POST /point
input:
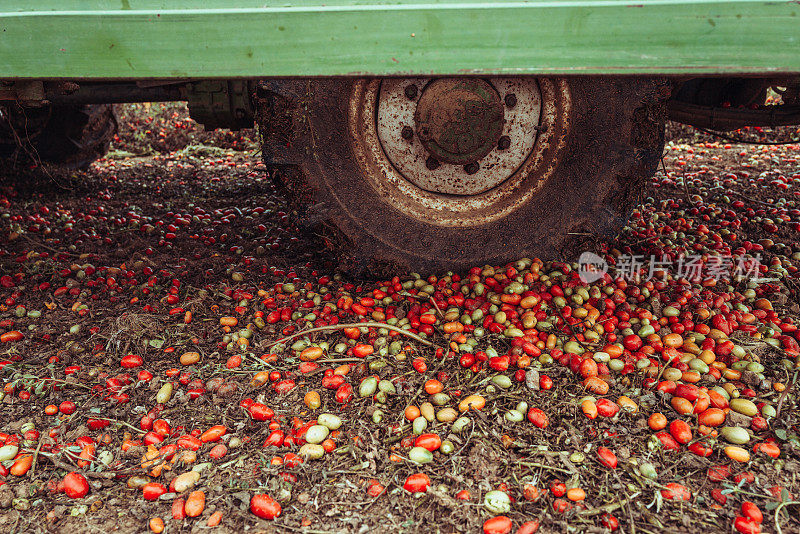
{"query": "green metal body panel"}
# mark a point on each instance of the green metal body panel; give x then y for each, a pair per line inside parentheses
(132, 39)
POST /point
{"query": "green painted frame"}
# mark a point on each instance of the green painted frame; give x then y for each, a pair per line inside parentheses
(135, 39)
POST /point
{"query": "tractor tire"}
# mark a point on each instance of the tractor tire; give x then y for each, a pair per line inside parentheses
(71, 137)
(597, 142)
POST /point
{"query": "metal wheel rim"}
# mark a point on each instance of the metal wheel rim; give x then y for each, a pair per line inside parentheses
(457, 210)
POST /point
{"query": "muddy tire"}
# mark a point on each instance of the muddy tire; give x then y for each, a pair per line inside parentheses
(68, 136)
(598, 141)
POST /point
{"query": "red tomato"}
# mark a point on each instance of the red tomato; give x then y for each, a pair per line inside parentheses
(67, 407)
(375, 489)
(21, 465)
(178, 508)
(675, 491)
(751, 511)
(417, 483)
(746, 526)
(151, 438)
(131, 360)
(558, 488)
(13, 335)
(667, 441)
(189, 442)
(144, 376)
(607, 457)
(689, 392)
(195, 503)
(430, 442)
(275, 438)
(718, 496)
(681, 431)
(343, 393)
(161, 427)
(632, 342)
(497, 525)
(153, 490)
(769, 448)
(284, 386)
(609, 521)
(363, 350)
(607, 408)
(588, 367)
(261, 412)
(97, 424)
(538, 418)
(528, 527)
(561, 506)
(419, 365)
(213, 434)
(265, 506)
(718, 473)
(291, 460)
(218, 451)
(545, 382)
(500, 363)
(75, 485)
(701, 449)
(531, 492)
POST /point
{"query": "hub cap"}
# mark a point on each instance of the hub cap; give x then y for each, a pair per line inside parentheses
(459, 120)
(458, 136)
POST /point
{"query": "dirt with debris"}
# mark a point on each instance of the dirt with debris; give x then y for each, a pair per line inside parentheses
(178, 243)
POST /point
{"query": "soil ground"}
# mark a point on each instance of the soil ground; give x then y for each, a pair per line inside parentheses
(100, 264)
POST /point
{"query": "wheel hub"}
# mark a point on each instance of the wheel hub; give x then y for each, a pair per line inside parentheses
(458, 136)
(459, 120)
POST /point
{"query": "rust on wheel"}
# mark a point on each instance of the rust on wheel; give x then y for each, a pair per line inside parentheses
(453, 194)
(445, 173)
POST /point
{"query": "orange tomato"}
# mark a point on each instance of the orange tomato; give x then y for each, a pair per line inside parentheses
(157, 525)
(433, 386)
(681, 405)
(711, 417)
(195, 503)
(589, 408)
(576, 494)
(21, 465)
(737, 454)
(657, 421)
(310, 354)
(215, 519)
(453, 327)
(596, 385)
(213, 434)
(412, 412)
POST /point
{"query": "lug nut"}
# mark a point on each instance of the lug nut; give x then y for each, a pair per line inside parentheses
(411, 92)
(432, 163)
(471, 168)
(407, 133)
(504, 142)
(511, 100)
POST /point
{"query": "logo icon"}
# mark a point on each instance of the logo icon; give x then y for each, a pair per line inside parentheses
(591, 267)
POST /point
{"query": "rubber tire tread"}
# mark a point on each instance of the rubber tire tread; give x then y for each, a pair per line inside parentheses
(71, 137)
